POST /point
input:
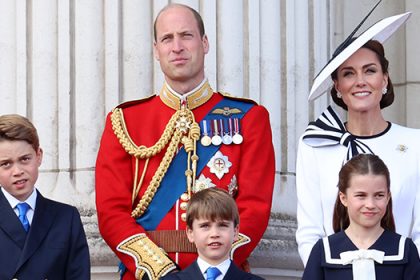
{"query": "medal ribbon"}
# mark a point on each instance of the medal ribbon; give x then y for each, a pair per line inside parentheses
(173, 185)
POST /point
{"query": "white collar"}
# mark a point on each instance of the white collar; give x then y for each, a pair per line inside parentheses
(329, 259)
(223, 267)
(13, 201)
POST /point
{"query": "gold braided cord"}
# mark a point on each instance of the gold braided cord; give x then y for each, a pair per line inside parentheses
(120, 130)
(181, 128)
(188, 146)
(136, 173)
(191, 148)
(136, 189)
(157, 178)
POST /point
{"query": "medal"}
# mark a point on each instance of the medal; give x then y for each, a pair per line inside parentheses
(219, 164)
(202, 183)
(216, 139)
(205, 140)
(227, 139)
(233, 186)
(237, 138)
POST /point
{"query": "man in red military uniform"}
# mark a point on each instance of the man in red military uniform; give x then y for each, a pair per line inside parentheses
(155, 153)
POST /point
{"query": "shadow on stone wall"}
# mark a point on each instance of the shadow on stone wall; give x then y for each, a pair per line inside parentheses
(277, 251)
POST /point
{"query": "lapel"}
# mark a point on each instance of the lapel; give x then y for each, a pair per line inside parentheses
(233, 272)
(191, 272)
(43, 219)
(10, 224)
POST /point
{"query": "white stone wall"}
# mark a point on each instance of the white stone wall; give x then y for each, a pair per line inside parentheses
(66, 63)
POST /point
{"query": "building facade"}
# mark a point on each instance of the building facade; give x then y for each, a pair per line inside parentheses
(65, 64)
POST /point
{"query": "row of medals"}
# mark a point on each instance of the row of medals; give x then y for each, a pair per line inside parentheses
(212, 131)
(221, 131)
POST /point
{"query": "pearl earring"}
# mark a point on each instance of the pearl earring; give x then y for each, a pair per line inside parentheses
(384, 91)
(339, 94)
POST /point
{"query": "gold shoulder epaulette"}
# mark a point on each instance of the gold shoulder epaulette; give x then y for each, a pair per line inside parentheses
(228, 95)
(129, 103)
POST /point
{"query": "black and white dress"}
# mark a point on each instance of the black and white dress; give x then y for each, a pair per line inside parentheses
(398, 259)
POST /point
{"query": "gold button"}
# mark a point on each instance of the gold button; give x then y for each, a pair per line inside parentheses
(185, 197)
(184, 217)
(183, 205)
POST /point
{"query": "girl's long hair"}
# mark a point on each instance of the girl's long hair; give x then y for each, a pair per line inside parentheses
(362, 164)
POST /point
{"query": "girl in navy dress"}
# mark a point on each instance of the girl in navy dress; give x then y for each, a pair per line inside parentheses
(365, 245)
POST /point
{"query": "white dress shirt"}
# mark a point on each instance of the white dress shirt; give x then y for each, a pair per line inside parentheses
(223, 267)
(14, 202)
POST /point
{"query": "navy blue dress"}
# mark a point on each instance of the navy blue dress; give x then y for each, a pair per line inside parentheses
(401, 259)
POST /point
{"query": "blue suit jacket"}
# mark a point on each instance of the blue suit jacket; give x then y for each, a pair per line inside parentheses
(54, 248)
(193, 272)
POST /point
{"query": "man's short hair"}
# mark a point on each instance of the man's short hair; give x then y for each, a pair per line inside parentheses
(197, 17)
(213, 204)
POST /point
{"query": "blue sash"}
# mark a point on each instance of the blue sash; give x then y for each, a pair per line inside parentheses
(174, 183)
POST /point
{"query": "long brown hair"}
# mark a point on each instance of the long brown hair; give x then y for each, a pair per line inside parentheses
(362, 164)
(388, 98)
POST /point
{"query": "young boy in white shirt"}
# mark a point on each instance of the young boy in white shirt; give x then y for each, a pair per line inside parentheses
(39, 238)
(213, 225)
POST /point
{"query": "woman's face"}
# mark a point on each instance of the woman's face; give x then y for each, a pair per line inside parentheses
(360, 80)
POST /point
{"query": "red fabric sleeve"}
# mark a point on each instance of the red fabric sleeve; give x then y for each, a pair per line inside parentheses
(255, 179)
(114, 177)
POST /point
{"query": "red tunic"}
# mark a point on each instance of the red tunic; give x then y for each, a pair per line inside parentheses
(252, 164)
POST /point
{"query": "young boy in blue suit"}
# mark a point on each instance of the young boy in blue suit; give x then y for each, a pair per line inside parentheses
(213, 225)
(39, 238)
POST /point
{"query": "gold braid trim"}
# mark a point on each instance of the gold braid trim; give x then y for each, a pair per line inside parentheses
(120, 130)
(180, 128)
(157, 178)
(148, 257)
(242, 240)
(190, 146)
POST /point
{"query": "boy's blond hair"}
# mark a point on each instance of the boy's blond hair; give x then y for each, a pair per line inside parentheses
(213, 204)
(15, 127)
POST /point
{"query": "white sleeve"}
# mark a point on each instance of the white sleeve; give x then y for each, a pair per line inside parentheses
(415, 233)
(309, 206)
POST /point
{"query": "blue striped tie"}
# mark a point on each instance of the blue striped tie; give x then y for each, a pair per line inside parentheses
(212, 273)
(23, 208)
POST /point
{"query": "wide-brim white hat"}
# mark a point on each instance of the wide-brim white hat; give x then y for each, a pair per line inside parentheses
(380, 31)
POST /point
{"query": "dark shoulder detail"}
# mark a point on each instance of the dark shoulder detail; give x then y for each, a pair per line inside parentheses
(244, 99)
(134, 102)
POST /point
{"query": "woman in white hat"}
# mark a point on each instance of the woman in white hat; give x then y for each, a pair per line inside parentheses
(360, 83)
